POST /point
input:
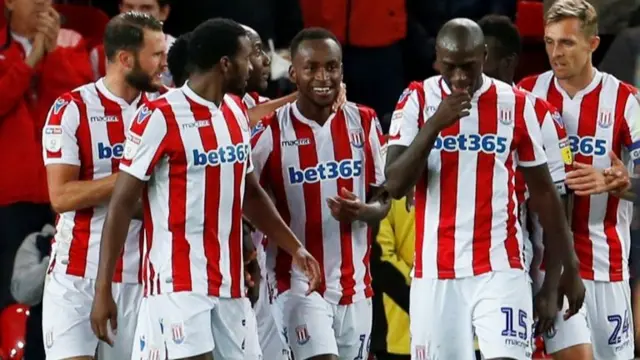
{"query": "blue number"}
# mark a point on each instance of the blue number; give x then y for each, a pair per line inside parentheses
(345, 169)
(502, 145)
(332, 167)
(488, 144)
(617, 320)
(625, 325)
(509, 329)
(573, 143)
(601, 147)
(357, 168)
(475, 142)
(361, 353)
(586, 146)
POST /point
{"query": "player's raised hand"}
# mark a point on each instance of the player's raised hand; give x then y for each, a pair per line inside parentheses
(103, 311)
(572, 287)
(452, 108)
(586, 180)
(310, 267)
(342, 98)
(545, 309)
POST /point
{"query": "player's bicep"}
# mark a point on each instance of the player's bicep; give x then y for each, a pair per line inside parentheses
(57, 176)
(406, 118)
(529, 149)
(145, 143)
(59, 142)
(538, 179)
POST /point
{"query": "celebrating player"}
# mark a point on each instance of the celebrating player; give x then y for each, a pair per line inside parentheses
(190, 153)
(322, 168)
(83, 143)
(568, 339)
(601, 115)
(469, 272)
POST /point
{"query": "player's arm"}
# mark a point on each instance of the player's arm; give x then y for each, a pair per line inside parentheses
(377, 207)
(264, 109)
(62, 160)
(632, 118)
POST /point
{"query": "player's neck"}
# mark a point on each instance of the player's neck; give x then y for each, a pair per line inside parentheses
(21, 29)
(207, 88)
(118, 86)
(576, 83)
(313, 112)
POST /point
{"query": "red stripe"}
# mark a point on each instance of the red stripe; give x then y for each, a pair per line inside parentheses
(211, 228)
(79, 248)
(370, 178)
(512, 246)
(448, 205)
(483, 214)
(55, 119)
(342, 151)
(420, 197)
(613, 202)
(115, 133)
(312, 196)
(235, 236)
(273, 171)
(582, 204)
(554, 97)
(180, 264)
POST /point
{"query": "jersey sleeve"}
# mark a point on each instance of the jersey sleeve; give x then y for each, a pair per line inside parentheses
(529, 150)
(405, 121)
(556, 146)
(59, 142)
(377, 142)
(261, 146)
(631, 137)
(145, 143)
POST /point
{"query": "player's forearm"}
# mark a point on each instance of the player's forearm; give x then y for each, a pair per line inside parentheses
(374, 211)
(82, 194)
(261, 110)
(404, 171)
(261, 212)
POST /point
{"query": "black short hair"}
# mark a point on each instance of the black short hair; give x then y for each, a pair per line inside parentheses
(161, 3)
(126, 32)
(313, 33)
(177, 59)
(212, 40)
(502, 29)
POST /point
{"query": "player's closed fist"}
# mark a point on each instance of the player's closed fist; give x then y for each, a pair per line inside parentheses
(104, 314)
(452, 108)
(346, 207)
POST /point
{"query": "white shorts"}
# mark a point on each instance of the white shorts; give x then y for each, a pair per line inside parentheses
(192, 324)
(270, 329)
(608, 306)
(496, 306)
(66, 327)
(251, 344)
(315, 327)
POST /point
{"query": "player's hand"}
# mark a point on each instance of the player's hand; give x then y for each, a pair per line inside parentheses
(452, 108)
(104, 311)
(49, 26)
(310, 267)
(586, 180)
(572, 287)
(252, 279)
(37, 50)
(545, 309)
(342, 98)
(411, 199)
(617, 176)
(346, 207)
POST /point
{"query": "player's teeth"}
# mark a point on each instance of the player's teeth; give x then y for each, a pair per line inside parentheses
(321, 90)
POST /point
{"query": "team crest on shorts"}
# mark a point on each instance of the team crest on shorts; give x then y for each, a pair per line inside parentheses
(48, 339)
(421, 352)
(154, 354)
(356, 137)
(177, 333)
(302, 334)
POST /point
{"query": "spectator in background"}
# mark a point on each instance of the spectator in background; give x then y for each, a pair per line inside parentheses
(159, 9)
(391, 275)
(36, 66)
(27, 284)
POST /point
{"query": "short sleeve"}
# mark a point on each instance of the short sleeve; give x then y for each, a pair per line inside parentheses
(261, 145)
(59, 142)
(631, 137)
(145, 143)
(405, 121)
(529, 150)
(376, 141)
(556, 145)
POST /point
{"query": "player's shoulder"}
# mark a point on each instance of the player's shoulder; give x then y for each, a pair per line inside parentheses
(74, 99)
(359, 114)
(529, 83)
(611, 83)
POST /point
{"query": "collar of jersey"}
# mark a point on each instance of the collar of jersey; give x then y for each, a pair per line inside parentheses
(111, 96)
(486, 84)
(303, 119)
(186, 90)
(597, 77)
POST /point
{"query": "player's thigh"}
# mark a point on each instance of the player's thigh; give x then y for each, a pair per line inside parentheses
(309, 324)
(503, 315)
(229, 326)
(440, 319)
(571, 338)
(353, 329)
(252, 350)
(127, 298)
(66, 308)
(149, 343)
(608, 306)
(185, 320)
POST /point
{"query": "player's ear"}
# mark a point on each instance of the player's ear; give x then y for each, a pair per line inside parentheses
(293, 77)
(486, 52)
(225, 64)
(126, 59)
(594, 42)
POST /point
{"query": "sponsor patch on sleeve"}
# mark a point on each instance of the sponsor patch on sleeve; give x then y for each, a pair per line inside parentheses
(257, 129)
(131, 146)
(557, 118)
(565, 151)
(53, 138)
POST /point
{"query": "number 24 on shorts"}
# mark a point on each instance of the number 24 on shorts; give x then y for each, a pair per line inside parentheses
(620, 332)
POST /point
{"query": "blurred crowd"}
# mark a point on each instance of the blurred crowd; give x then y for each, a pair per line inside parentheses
(386, 45)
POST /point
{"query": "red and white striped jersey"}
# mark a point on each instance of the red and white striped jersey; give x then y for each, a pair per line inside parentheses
(303, 163)
(86, 128)
(251, 99)
(466, 207)
(602, 117)
(194, 156)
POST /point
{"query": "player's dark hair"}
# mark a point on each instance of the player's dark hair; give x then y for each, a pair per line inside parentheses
(177, 59)
(313, 33)
(126, 32)
(504, 31)
(161, 3)
(212, 40)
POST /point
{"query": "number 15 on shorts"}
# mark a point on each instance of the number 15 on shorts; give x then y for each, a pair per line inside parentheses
(516, 325)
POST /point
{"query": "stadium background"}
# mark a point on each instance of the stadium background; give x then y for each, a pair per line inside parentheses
(387, 44)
